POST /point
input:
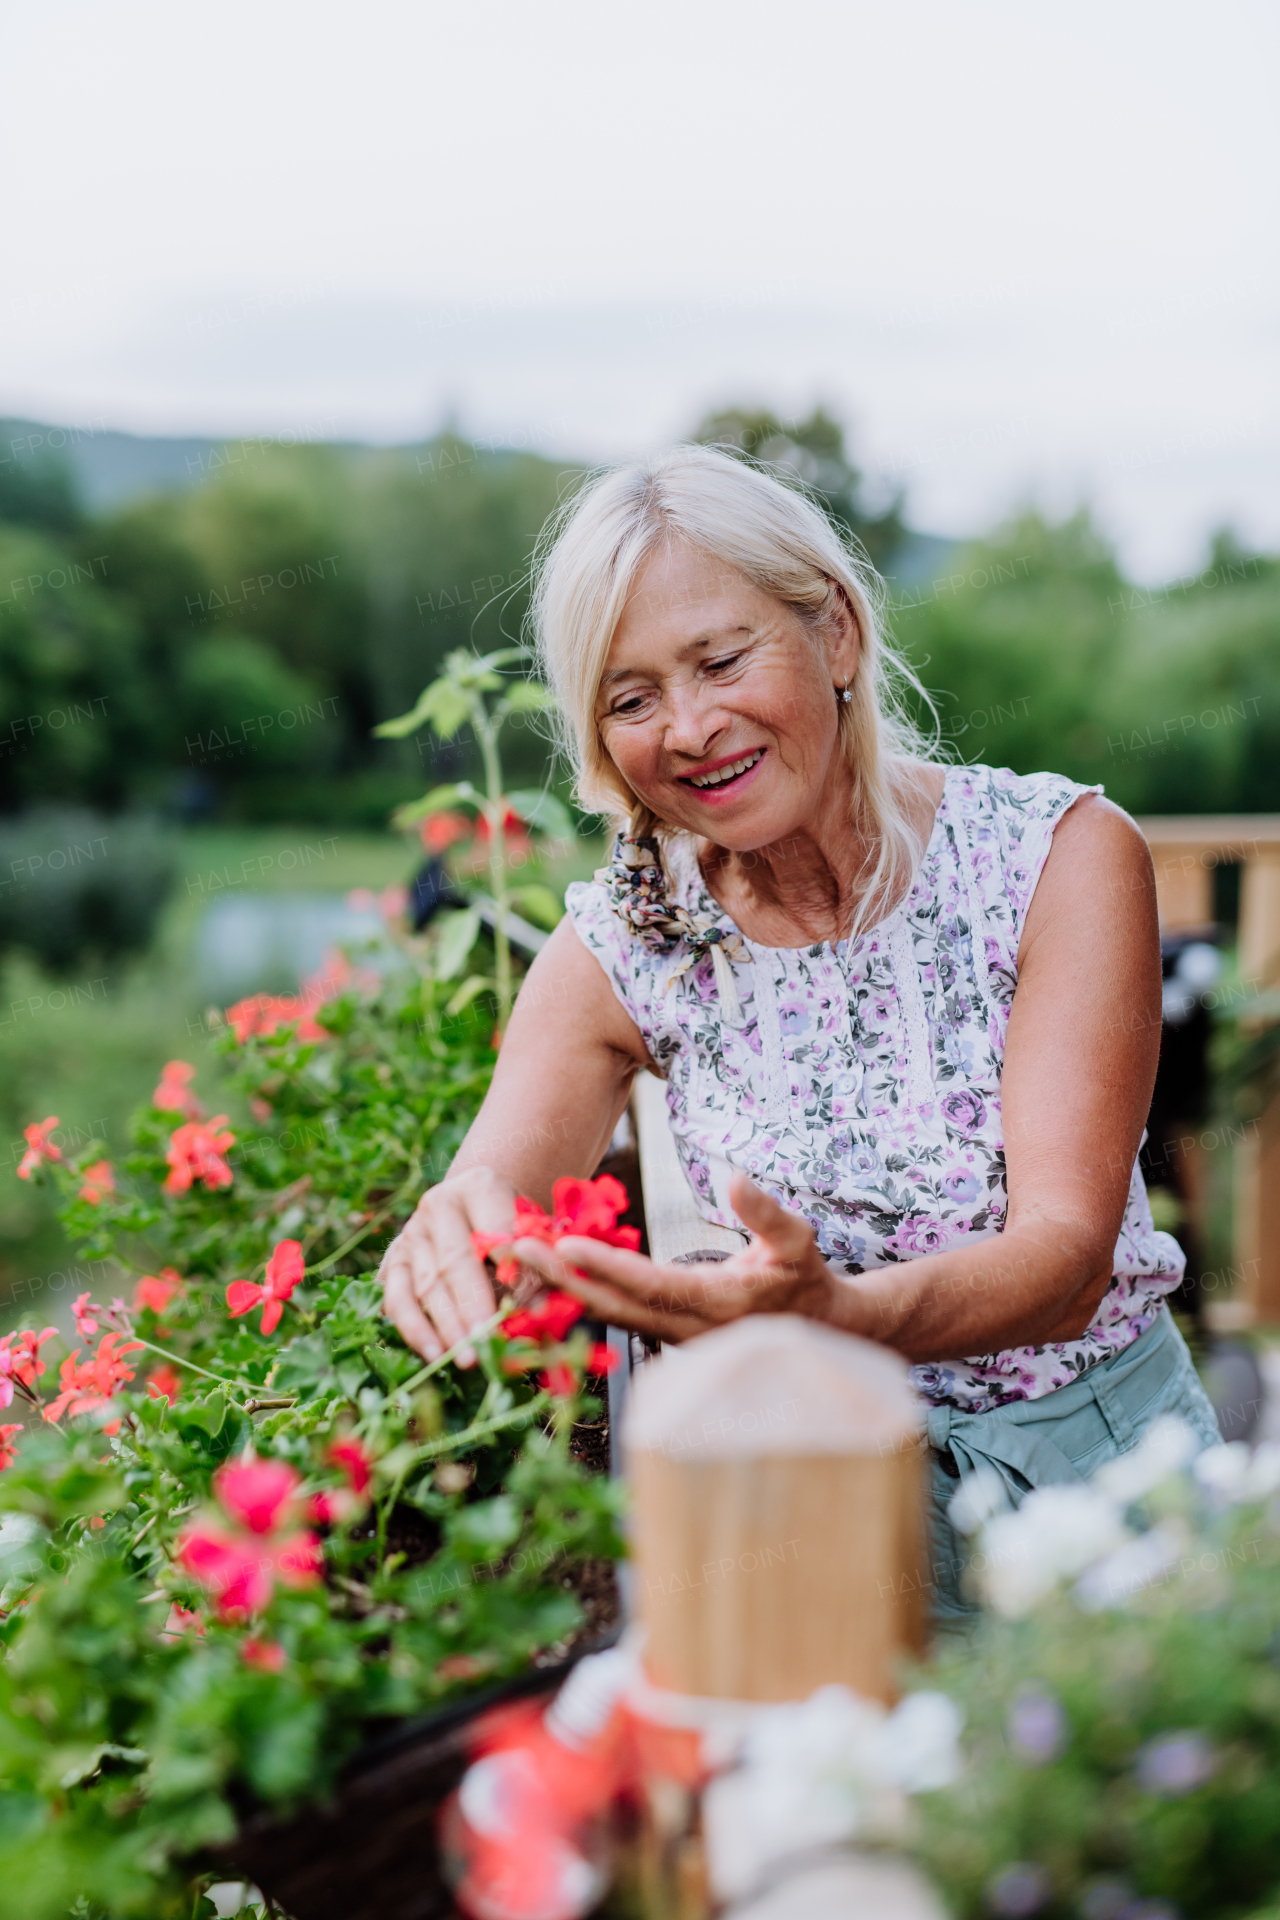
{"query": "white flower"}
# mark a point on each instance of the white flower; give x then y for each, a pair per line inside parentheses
(1236, 1475)
(1164, 1449)
(1139, 1563)
(920, 1745)
(1222, 1470)
(1055, 1534)
(982, 1494)
(831, 1768)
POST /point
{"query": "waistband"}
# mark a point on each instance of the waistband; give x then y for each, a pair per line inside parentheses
(1020, 1441)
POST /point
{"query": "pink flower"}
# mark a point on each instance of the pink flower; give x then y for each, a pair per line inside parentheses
(355, 1464)
(40, 1148)
(8, 1453)
(256, 1492)
(183, 1620)
(157, 1290)
(99, 1183)
(20, 1360)
(86, 1325)
(241, 1565)
(267, 1656)
(195, 1152)
(335, 1506)
(284, 1272)
(174, 1094)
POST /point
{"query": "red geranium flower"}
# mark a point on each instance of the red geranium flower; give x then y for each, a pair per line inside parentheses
(156, 1290)
(99, 1183)
(561, 1380)
(164, 1383)
(549, 1318)
(440, 830)
(284, 1272)
(195, 1152)
(39, 1146)
(174, 1095)
(8, 1453)
(589, 1208)
(90, 1383)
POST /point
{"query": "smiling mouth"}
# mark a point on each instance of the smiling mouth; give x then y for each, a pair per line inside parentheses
(724, 776)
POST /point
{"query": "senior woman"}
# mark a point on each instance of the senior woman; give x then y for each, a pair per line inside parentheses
(907, 1013)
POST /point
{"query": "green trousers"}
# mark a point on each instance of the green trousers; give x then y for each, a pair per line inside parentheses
(1062, 1437)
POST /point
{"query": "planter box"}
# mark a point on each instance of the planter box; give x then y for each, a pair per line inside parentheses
(371, 1853)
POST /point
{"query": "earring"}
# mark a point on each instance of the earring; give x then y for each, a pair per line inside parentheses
(846, 696)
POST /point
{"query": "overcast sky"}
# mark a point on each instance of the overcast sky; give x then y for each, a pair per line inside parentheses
(1026, 250)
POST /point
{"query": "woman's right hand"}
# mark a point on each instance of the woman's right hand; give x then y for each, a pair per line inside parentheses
(435, 1288)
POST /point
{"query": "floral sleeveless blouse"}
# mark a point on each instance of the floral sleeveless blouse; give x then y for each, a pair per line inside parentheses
(859, 1083)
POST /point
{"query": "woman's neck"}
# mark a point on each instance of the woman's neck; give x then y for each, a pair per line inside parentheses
(809, 885)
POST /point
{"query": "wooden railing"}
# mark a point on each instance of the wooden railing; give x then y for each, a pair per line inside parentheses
(1186, 851)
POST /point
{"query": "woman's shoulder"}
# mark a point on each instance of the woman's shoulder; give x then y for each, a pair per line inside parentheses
(1014, 804)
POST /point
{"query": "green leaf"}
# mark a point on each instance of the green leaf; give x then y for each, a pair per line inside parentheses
(490, 1525)
(458, 934)
(208, 1415)
(443, 706)
(439, 800)
(539, 904)
(543, 812)
(477, 983)
(504, 656)
(528, 696)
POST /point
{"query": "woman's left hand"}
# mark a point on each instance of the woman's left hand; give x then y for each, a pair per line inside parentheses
(780, 1271)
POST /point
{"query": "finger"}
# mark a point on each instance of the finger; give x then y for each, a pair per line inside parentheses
(713, 1291)
(453, 1261)
(400, 1304)
(787, 1234)
(440, 1304)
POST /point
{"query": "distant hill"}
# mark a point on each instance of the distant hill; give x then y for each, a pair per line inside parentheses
(110, 468)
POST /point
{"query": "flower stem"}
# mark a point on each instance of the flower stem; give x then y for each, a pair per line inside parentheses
(477, 1333)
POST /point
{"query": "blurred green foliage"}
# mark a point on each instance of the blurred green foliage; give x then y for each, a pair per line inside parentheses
(1041, 655)
(226, 651)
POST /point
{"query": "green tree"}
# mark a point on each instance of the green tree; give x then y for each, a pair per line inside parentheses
(815, 450)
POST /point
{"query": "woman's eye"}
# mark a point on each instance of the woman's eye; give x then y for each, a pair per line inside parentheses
(624, 709)
(719, 666)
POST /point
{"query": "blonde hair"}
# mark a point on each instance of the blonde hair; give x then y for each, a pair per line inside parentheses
(780, 540)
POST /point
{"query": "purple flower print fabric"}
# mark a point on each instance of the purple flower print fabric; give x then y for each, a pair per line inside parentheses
(860, 1083)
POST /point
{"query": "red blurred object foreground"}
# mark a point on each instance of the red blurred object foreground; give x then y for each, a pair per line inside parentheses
(525, 1836)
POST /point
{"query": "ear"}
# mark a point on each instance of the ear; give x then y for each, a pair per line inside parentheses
(843, 638)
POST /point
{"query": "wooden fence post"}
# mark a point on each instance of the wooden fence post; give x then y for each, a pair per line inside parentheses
(777, 1544)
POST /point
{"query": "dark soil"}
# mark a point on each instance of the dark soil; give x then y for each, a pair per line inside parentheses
(594, 1585)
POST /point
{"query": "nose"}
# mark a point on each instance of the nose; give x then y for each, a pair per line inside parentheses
(695, 719)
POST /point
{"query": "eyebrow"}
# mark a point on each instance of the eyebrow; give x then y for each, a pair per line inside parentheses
(613, 675)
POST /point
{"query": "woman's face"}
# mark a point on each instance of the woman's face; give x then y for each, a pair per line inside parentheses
(718, 706)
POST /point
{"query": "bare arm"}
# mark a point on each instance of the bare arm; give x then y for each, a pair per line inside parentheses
(563, 1076)
(1079, 1067)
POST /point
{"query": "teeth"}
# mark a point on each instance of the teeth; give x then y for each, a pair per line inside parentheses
(726, 773)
